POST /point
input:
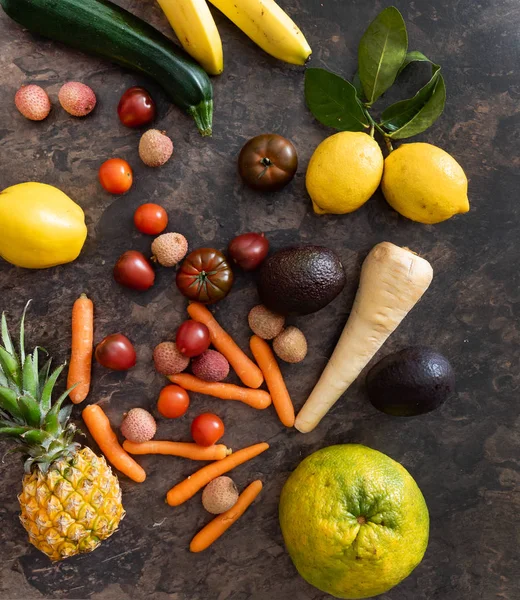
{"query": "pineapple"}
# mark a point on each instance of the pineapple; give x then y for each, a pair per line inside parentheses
(70, 498)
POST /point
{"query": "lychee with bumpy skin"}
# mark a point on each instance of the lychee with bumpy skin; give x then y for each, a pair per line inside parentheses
(155, 148)
(210, 366)
(290, 345)
(77, 99)
(220, 495)
(138, 426)
(169, 249)
(168, 359)
(33, 102)
(265, 323)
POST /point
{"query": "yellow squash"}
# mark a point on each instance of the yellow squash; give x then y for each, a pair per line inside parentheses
(40, 226)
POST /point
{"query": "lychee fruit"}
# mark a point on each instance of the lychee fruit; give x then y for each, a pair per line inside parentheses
(77, 99)
(155, 148)
(168, 359)
(290, 345)
(265, 323)
(220, 495)
(210, 366)
(169, 249)
(138, 426)
(33, 102)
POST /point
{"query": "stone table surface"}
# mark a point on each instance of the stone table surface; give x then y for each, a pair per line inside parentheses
(464, 456)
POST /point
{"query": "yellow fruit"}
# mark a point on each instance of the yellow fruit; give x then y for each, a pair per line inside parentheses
(354, 521)
(195, 27)
(344, 172)
(72, 507)
(41, 226)
(269, 27)
(424, 183)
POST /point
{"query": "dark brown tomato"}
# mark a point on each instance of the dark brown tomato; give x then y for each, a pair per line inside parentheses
(205, 276)
(268, 162)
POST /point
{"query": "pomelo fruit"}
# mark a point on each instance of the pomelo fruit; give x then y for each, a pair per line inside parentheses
(354, 521)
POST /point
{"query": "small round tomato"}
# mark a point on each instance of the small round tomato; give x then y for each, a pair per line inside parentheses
(173, 402)
(207, 429)
(249, 250)
(116, 352)
(205, 276)
(136, 107)
(192, 338)
(268, 162)
(116, 176)
(133, 271)
(150, 219)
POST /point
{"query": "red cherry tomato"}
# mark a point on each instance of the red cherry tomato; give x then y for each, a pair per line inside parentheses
(207, 429)
(116, 352)
(173, 402)
(134, 271)
(150, 219)
(136, 107)
(192, 338)
(249, 250)
(116, 176)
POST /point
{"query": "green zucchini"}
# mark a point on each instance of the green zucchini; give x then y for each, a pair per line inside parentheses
(101, 27)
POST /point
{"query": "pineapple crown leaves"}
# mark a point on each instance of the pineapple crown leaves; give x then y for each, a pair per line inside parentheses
(27, 412)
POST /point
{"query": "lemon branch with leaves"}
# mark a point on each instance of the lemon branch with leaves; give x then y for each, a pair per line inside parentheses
(382, 56)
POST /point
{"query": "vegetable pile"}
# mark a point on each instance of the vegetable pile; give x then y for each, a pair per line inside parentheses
(420, 181)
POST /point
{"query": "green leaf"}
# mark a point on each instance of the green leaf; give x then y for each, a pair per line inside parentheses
(381, 53)
(29, 381)
(47, 389)
(6, 338)
(426, 116)
(356, 82)
(397, 115)
(413, 56)
(8, 402)
(333, 101)
(10, 367)
(43, 374)
(52, 422)
(22, 334)
(64, 414)
(30, 410)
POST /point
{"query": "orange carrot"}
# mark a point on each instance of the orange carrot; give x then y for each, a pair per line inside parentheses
(259, 399)
(220, 524)
(99, 426)
(245, 368)
(189, 487)
(82, 345)
(266, 360)
(183, 449)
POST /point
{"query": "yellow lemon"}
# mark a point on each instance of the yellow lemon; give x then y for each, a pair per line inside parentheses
(343, 173)
(40, 226)
(354, 521)
(424, 183)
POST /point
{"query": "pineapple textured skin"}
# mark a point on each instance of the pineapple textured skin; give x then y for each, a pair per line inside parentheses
(72, 507)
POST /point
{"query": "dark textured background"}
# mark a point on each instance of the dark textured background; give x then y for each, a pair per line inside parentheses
(465, 456)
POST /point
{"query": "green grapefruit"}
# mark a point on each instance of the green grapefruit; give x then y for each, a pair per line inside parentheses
(354, 521)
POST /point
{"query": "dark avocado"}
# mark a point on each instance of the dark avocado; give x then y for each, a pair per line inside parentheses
(411, 382)
(300, 280)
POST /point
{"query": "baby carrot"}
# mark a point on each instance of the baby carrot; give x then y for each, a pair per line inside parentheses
(183, 449)
(259, 399)
(244, 367)
(189, 487)
(266, 360)
(82, 345)
(99, 426)
(220, 524)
